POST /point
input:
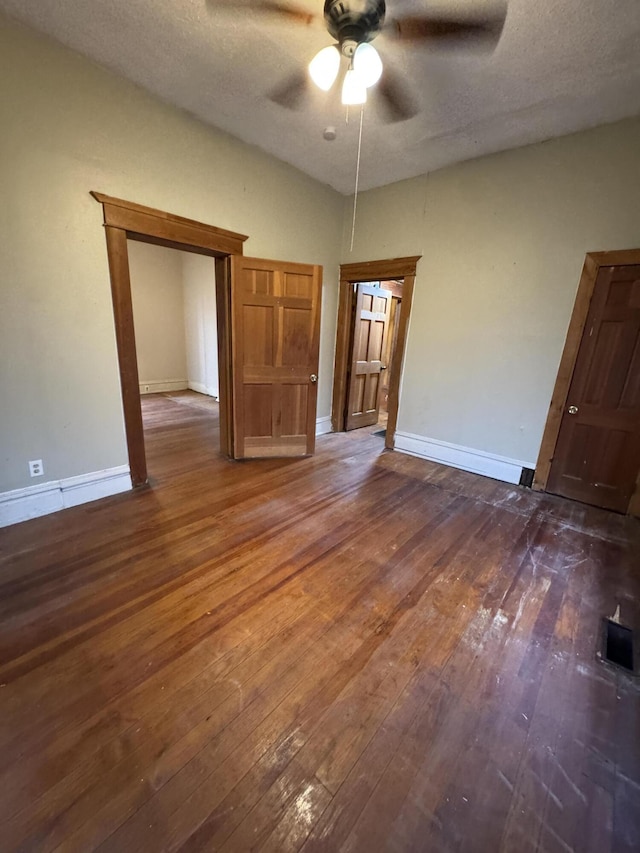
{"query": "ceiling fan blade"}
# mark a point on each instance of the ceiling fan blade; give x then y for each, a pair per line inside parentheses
(484, 30)
(397, 101)
(291, 11)
(292, 92)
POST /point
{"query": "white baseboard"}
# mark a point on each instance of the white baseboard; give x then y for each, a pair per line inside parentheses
(201, 388)
(157, 387)
(34, 501)
(323, 425)
(465, 458)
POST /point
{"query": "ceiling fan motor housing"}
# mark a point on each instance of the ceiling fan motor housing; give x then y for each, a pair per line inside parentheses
(354, 20)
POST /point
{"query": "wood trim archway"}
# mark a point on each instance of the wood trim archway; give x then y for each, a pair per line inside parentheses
(125, 220)
(593, 262)
(361, 272)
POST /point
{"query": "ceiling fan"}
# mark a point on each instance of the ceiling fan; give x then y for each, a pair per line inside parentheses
(354, 24)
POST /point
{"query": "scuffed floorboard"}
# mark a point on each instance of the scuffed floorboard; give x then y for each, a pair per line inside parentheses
(359, 651)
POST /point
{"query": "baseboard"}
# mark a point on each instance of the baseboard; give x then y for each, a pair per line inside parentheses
(465, 458)
(323, 425)
(158, 387)
(34, 501)
(201, 388)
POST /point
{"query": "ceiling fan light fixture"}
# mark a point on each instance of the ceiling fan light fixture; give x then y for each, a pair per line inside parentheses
(324, 67)
(367, 64)
(354, 92)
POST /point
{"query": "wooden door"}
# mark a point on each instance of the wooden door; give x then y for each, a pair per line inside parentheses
(371, 319)
(275, 310)
(389, 351)
(597, 456)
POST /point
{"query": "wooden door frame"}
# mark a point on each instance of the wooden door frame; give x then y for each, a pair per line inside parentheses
(357, 273)
(125, 220)
(593, 262)
(367, 318)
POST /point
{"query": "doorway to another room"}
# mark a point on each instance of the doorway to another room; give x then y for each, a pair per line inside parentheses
(126, 221)
(376, 312)
(373, 315)
(174, 311)
(268, 332)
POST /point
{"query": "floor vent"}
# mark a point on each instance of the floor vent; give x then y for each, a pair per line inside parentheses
(617, 645)
(526, 477)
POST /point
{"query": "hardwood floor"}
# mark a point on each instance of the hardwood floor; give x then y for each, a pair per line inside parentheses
(358, 651)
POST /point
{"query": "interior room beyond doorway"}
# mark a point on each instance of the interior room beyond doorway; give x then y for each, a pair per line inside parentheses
(174, 312)
(373, 315)
(377, 308)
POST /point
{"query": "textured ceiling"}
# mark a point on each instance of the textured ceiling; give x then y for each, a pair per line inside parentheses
(561, 66)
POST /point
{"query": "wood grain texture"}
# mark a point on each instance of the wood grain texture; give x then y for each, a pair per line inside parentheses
(126, 343)
(593, 262)
(358, 650)
(388, 268)
(597, 455)
(393, 286)
(395, 375)
(565, 372)
(225, 355)
(390, 346)
(124, 219)
(150, 224)
(370, 347)
(350, 274)
(275, 315)
(342, 354)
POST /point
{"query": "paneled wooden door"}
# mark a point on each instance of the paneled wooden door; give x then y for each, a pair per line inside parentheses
(597, 455)
(275, 316)
(371, 322)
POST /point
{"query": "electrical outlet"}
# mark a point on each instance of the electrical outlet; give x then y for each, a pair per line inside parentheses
(35, 468)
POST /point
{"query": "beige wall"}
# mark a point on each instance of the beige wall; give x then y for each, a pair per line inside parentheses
(503, 240)
(199, 288)
(158, 315)
(69, 127)
(174, 312)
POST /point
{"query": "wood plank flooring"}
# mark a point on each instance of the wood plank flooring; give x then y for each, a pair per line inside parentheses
(359, 651)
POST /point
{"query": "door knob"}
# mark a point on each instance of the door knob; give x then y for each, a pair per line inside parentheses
(313, 377)
(573, 410)
(383, 367)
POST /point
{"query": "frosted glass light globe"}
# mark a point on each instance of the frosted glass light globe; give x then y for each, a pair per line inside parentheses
(367, 64)
(353, 90)
(324, 67)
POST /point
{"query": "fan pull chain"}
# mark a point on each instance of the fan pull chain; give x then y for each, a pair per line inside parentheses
(355, 195)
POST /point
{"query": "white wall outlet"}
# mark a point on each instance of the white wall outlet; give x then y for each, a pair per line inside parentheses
(36, 468)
